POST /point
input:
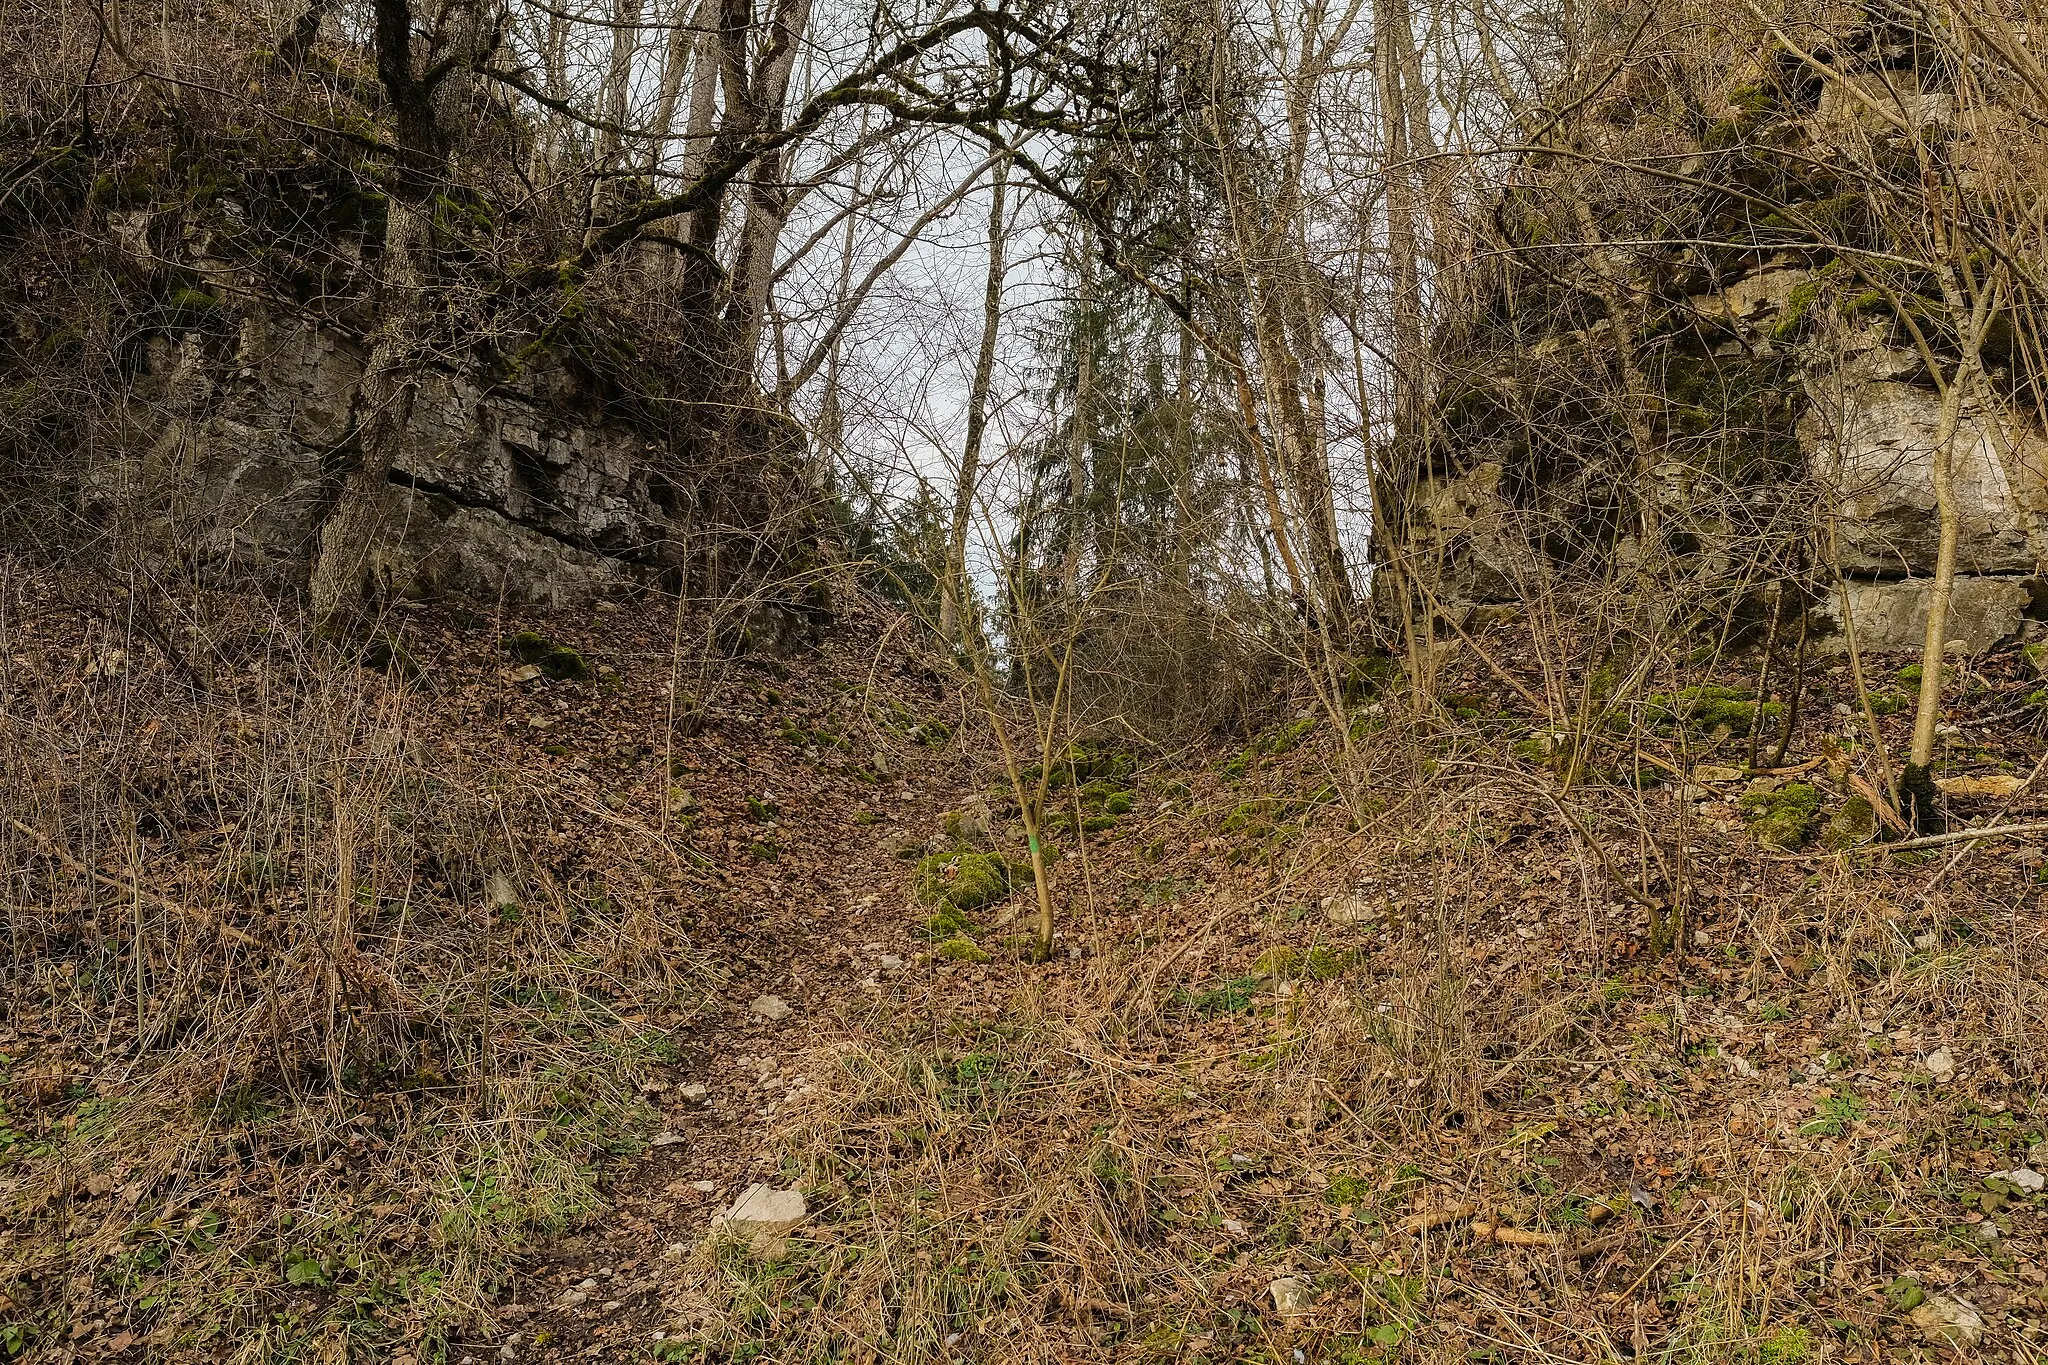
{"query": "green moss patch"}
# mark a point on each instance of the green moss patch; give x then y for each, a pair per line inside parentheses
(1782, 818)
(554, 659)
(962, 882)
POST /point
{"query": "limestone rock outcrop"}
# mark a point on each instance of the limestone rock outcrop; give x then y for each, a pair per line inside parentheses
(519, 490)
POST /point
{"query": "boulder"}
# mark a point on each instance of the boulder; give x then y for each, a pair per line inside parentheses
(1890, 616)
(763, 1218)
(1874, 440)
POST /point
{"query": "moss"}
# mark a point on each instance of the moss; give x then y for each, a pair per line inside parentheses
(1254, 816)
(1279, 962)
(1082, 764)
(1326, 963)
(189, 306)
(1782, 818)
(554, 660)
(1117, 803)
(1854, 824)
(1291, 735)
(960, 948)
(948, 923)
(1709, 710)
(1793, 323)
(962, 881)
(1273, 744)
(383, 653)
(1366, 676)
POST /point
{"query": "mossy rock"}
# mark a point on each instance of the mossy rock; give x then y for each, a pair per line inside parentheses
(963, 881)
(1782, 818)
(960, 948)
(1853, 825)
(1278, 963)
(1117, 803)
(555, 660)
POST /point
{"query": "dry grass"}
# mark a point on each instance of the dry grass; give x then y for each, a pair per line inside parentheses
(314, 1016)
(1727, 1154)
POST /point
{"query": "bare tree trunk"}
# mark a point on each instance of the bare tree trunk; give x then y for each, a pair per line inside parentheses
(1917, 798)
(430, 117)
(953, 585)
(768, 202)
(616, 98)
(1080, 432)
(1390, 23)
(684, 56)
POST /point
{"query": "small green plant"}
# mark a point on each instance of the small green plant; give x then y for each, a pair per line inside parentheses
(1790, 1345)
(1229, 997)
(1834, 1115)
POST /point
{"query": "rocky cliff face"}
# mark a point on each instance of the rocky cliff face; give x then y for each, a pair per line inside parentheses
(521, 490)
(181, 375)
(1785, 423)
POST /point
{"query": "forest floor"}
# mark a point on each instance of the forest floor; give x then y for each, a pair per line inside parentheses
(1357, 1045)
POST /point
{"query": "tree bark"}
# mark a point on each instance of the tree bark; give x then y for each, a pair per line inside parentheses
(430, 117)
(953, 587)
(1080, 432)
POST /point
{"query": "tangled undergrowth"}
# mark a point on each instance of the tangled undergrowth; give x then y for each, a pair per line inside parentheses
(317, 1014)
(1418, 1091)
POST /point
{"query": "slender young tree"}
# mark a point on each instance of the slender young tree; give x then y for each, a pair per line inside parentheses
(954, 588)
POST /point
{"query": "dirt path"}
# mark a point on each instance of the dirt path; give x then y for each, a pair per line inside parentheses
(826, 944)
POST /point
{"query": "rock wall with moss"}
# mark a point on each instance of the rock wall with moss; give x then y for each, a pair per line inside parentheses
(190, 304)
(1781, 423)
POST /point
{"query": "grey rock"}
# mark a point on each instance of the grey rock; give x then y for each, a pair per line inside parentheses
(1947, 1321)
(763, 1217)
(507, 489)
(1890, 617)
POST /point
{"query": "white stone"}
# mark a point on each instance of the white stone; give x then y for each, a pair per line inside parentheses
(694, 1091)
(762, 1217)
(1293, 1295)
(1941, 1064)
(1947, 1321)
(773, 1008)
(2031, 1181)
